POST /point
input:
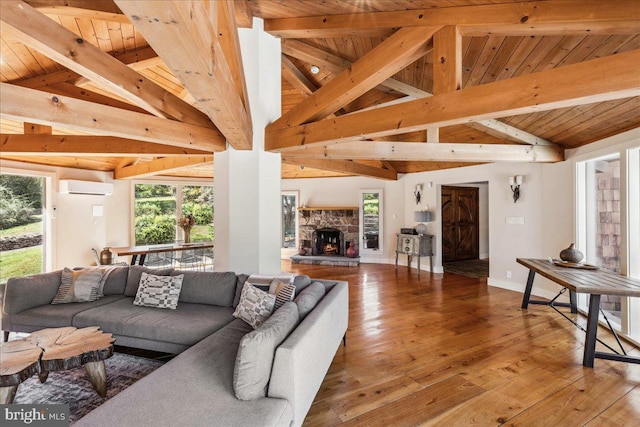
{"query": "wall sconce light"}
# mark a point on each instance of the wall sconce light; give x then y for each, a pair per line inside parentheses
(417, 192)
(514, 183)
(421, 217)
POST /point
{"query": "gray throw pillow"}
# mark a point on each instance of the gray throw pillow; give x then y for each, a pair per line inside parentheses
(309, 298)
(257, 350)
(79, 286)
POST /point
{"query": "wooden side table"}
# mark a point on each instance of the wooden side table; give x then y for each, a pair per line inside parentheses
(415, 246)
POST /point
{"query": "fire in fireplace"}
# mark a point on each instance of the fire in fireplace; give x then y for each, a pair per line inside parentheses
(328, 241)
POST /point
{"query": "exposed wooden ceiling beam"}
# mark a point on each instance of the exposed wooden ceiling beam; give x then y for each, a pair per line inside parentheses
(244, 16)
(576, 84)
(34, 106)
(556, 17)
(447, 63)
(105, 10)
(336, 64)
(159, 166)
(185, 35)
(394, 151)
(63, 46)
(87, 95)
(34, 129)
(82, 145)
(294, 76)
(344, 166)
(380, 63)
(138, 60)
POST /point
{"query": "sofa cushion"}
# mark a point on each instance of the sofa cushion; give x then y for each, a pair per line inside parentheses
(78, 286)
(159, 291)
(185, 325)
(309, 297)
(56, 316)
(197, 390)
(135, 273)
(255, 306)
(241, 279)
(256, 352)
(115, 280)
(301, 282)
(205, 287)
(30, 291)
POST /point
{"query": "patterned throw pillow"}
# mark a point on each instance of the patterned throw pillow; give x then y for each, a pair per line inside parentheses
(159, 291)
(78, 286)
(283, 291)
(255, 306)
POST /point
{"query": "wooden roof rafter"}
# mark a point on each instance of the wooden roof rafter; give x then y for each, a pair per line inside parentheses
(158, 166)
(553, 17)
(571, 85)
(56, 42)
(188, 36)
(336, 64)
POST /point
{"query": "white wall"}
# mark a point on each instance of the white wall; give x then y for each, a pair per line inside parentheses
(74, 229)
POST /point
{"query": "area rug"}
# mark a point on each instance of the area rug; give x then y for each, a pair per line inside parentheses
(470, 268)
(74, 388)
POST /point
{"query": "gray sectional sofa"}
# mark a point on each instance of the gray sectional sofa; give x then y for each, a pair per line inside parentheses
(197, 386)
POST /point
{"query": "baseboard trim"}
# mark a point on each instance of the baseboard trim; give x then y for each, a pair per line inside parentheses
(519, 287)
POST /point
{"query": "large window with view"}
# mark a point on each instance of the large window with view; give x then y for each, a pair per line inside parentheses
(158, 208)
(22, 226)
(607, 218)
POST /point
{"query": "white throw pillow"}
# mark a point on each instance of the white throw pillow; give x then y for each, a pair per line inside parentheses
(255, 306)
(159, 291)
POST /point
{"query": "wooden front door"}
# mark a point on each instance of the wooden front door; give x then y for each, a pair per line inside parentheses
(460, 229)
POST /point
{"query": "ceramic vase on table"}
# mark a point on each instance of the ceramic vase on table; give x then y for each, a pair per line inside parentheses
(106, 257)
(571, 254)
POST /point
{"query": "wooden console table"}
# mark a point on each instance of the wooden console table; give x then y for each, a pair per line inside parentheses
(415, 245)
(593, 282)
(134, 251)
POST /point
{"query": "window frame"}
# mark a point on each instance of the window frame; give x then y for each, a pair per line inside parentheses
(361, 236)
(179, 184)
(296, 194)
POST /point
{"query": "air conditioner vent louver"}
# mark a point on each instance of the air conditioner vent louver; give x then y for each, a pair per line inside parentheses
(73, 186)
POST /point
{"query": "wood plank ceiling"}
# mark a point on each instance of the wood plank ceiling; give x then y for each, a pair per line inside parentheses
(511, 81)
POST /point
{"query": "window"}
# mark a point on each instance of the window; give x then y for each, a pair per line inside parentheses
(289, 219)
(23, 218)
(371, 220)
(158, 206)
(608, 212)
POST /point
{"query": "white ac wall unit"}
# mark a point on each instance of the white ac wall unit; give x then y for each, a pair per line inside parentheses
(74, 186)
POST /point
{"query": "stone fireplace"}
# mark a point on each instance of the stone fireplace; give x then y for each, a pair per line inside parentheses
(327, 233)
(327, 241)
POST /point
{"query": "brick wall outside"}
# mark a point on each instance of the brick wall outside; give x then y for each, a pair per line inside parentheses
(608, 224)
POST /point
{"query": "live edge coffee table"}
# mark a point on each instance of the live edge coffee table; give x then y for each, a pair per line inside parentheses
(54, 349)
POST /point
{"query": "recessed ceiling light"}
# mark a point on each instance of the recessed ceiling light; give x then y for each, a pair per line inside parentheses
(314, 69)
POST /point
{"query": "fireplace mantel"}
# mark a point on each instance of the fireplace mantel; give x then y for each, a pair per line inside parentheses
(329, 208)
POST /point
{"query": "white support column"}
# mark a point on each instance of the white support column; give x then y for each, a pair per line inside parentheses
(247, 183)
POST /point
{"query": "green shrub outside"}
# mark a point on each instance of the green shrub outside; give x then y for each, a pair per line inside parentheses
(155, 229)
(14, 210)
(202, 213)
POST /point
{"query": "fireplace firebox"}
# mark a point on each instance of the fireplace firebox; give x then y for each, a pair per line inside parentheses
(328, 241)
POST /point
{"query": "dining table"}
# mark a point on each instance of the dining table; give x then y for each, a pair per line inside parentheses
(139, 253)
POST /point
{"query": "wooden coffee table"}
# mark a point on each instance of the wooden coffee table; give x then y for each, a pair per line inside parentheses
(54, 349)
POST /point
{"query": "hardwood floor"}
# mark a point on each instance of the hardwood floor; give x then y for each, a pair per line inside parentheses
(448, 350)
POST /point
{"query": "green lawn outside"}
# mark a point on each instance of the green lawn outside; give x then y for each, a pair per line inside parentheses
(200, 233)
(34, 227)
(20, 262)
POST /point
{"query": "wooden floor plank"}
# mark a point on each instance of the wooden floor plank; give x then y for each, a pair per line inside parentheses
(442, 349)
